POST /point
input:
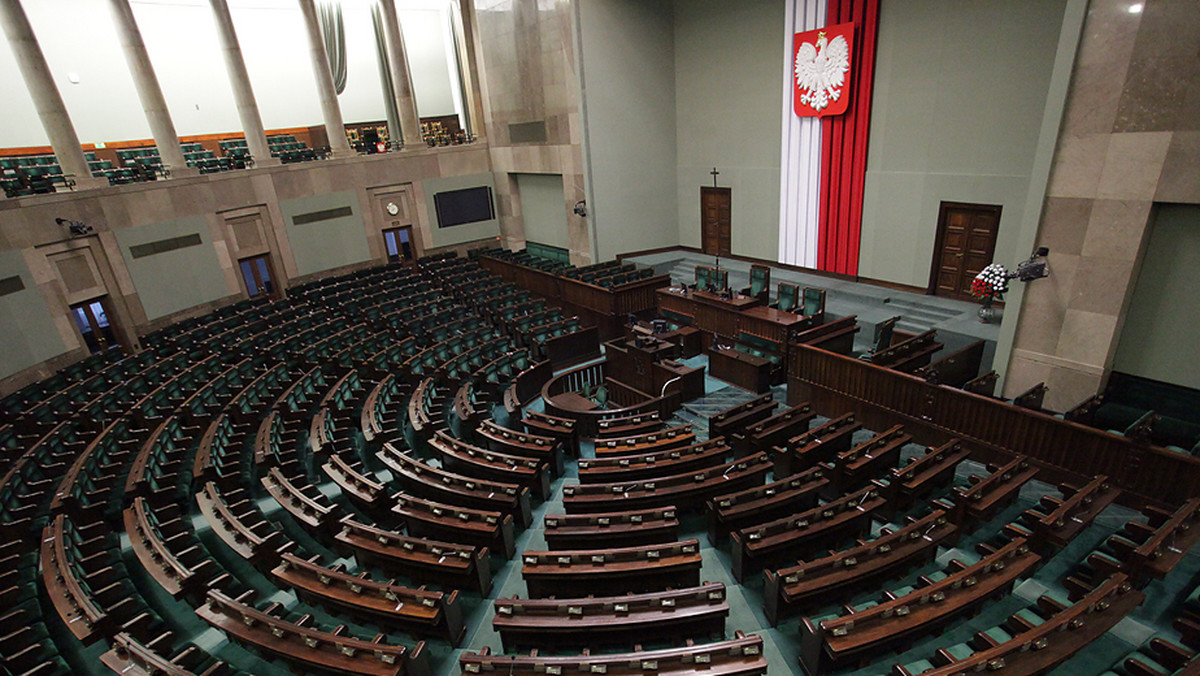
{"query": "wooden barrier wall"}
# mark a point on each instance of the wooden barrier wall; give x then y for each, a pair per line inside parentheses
(992, 428)
(604, 307)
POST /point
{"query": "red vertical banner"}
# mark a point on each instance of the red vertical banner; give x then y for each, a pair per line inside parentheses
(844, 143)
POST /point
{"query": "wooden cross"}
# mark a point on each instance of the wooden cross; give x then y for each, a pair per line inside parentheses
(714, 173)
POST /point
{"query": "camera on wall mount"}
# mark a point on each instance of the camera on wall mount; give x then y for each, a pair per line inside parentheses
(1035, 267)
(580, 208)
(76, 228)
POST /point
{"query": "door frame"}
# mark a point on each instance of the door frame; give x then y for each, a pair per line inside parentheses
(717, 191)
(412, 243)
(274, 293)
(939, 240)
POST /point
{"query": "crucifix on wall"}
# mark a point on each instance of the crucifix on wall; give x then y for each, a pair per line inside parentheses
(714, 173)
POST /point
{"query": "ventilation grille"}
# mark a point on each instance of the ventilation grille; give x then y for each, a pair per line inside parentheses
(11, 285)
(326, 215)
(164, 245)
(527, 132)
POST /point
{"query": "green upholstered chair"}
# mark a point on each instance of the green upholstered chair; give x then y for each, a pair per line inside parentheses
(813, 302)
(760, 282)
(788, 298)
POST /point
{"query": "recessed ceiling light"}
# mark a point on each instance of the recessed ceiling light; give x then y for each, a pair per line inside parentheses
(1136, 9)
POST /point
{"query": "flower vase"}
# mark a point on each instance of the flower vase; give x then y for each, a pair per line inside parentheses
(986, 312)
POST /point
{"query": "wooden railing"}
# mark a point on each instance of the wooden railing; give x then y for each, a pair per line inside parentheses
(626, 399)
(994, 430)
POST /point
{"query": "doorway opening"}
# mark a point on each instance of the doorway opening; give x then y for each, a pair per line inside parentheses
(256, 274)
(92, 320)
(398, 242)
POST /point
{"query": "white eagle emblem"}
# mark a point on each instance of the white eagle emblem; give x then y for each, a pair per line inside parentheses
(821, 70)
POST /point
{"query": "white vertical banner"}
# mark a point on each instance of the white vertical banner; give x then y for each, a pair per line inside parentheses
(800, 163)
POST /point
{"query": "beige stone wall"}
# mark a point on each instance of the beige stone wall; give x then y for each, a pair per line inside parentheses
(1130, 138)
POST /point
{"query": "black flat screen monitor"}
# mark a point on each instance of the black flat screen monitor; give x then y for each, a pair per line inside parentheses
(459, 207)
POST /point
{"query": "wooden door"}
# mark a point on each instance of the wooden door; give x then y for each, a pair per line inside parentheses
(715, 209)
(966, 241)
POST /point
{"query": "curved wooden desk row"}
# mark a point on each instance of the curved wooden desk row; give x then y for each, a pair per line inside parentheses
(1035, 649)
(155, 469)
(654, 465)
(357, 483)
(732, 511)
(861, 634)
(527, 386)
(652, 442)
(741, 416)
(166, 547)
(380, 408)
(680, 490)
(611, 529)
(817, 445)
(129, 655)
(301, 643)
(558, 624)
(563, 429)
(442, 563)
(424, 480)
(508, 442)
(1061, 520)
(386, 603)
(742, 655)
(459, 456)
(308, 505)
(768, 432)
(841, 574)
(788, 538)
(647, 568)
(924, 475)
(627, 425)
(423, 518)
(233, 516)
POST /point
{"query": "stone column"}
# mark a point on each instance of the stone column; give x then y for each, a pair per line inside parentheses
(148, 90)
(239, 80)
(406, 103)
(332, 112)
(46, 97)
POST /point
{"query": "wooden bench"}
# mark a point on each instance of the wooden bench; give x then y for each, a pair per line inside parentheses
(735, 418)
(535, 446)
(731, 511)
(303, 644)
(680, 490)
(621, 570)
(235, 519)
(427, 481)
(843, 573)
(834, 336)
(591, 622)
(180, 572)
(766, 433)
(459, 456)
(868, 460)
(563, 429)
(303, 501)
(740, 656)
(425, 518)
(855, 636)
(955, 369)
(988, 495)
(651, 465)
(1064, 633)
(628, 425)
(384, 603)
(611, 529)
(908, 355)
(1059, 521)
(924, 475)
(774, 542)
(653, 442)
(820, 444)
(444, 563)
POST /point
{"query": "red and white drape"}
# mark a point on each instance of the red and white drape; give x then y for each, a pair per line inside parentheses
(824, 160)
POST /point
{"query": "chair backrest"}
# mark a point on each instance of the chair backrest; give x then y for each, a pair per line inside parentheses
(760, 279)
(719, 278)
(702, 279)
(787, 296)
(883, 333)
(814, 301)
(602, 396)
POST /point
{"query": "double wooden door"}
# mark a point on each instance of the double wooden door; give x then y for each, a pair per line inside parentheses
(966, 242)
(715, 210)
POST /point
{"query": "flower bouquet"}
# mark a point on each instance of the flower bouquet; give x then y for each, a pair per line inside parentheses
(990, 285)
